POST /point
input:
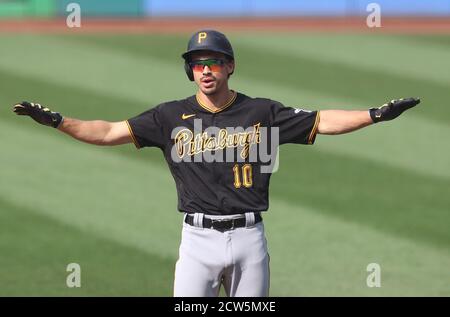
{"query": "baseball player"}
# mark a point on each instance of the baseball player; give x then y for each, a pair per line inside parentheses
(223, 240)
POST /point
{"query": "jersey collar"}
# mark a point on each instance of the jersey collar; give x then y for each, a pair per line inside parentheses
(225, 106)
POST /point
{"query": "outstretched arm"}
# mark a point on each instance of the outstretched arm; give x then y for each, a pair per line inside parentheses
(94, 132)
(97, 132)
(343, 121)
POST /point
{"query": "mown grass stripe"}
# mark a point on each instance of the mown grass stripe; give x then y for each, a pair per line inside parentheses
(94, 69)
(116, 197)
(72, 102)
(396, 55)
(369, 193)
(36, 250)
(313, 254)
(434, 40)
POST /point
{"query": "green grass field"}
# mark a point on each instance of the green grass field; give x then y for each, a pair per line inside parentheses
(379, 195)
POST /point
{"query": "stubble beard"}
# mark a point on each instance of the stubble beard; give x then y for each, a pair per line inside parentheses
(210, 91)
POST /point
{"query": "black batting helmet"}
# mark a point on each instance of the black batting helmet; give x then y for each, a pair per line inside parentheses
(206, 40)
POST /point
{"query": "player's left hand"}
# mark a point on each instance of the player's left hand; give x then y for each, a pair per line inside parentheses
(392, 109)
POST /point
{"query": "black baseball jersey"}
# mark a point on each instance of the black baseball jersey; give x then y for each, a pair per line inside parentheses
(216, 157)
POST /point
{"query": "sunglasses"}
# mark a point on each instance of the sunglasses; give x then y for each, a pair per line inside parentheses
(214, 64)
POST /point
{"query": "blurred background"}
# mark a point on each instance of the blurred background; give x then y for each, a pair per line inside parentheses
(379, 195)
(231, 8)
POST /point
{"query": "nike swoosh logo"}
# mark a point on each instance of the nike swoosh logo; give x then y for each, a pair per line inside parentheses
(186, 116)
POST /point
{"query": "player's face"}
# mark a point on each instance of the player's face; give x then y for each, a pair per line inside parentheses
(211, 71)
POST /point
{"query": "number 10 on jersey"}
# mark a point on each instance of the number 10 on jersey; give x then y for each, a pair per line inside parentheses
(243, 176)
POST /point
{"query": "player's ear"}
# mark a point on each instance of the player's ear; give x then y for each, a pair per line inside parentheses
(230, 66)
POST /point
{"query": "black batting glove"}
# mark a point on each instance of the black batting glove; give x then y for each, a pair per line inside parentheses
(392, 109)
(39, 114)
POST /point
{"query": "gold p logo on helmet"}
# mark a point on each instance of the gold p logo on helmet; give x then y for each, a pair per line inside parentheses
(201, 36)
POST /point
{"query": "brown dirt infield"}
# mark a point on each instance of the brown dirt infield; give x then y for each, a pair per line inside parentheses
(415, 25)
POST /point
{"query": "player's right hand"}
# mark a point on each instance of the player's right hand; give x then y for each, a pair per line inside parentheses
(39, 114)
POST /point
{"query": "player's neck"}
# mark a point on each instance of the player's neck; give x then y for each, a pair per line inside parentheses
(217, 101)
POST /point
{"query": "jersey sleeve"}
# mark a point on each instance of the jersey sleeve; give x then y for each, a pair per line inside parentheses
(146, 129)
(295, 125)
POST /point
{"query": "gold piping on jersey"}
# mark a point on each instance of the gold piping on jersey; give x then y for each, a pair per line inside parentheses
(132, 135)
(313, 133)
(226, 105)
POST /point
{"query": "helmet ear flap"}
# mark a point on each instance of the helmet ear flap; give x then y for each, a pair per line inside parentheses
(189, 72)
